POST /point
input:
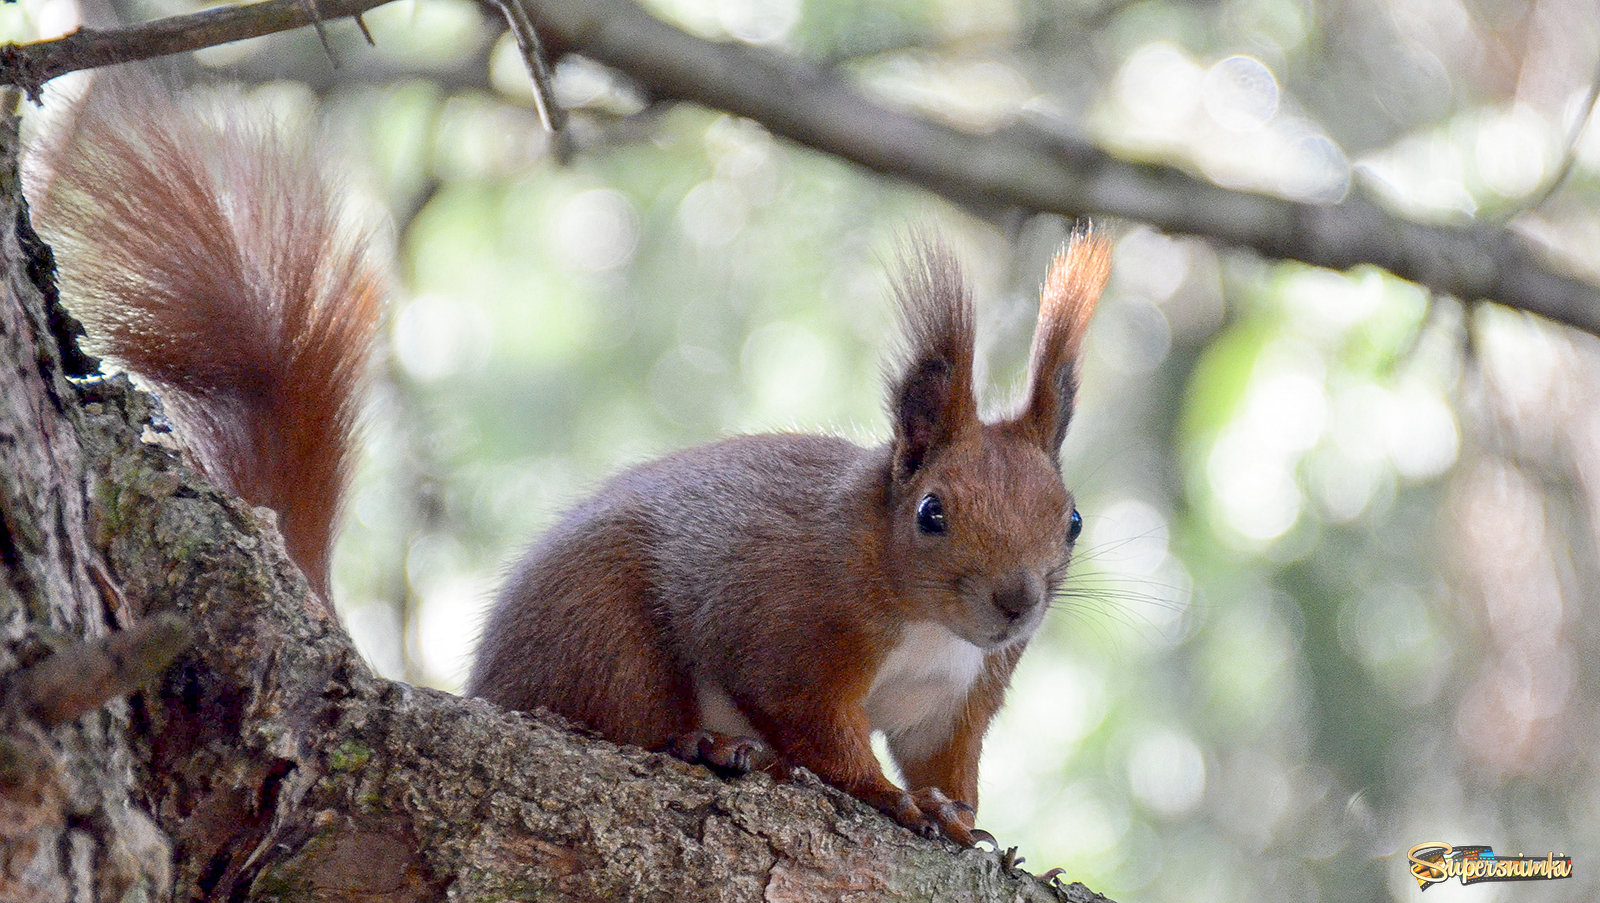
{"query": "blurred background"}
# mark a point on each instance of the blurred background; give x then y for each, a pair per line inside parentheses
(1340, 533)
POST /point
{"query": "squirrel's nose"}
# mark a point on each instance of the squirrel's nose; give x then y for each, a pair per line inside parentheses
(1018, 593)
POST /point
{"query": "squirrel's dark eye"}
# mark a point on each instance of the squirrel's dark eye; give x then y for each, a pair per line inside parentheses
(1074, 525)
(930, 514)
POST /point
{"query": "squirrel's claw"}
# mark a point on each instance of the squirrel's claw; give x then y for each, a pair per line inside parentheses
(926, 811)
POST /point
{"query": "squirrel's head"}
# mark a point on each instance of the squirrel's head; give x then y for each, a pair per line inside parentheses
(981, 525)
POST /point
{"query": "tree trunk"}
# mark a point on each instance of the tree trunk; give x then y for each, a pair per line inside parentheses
(269, 762)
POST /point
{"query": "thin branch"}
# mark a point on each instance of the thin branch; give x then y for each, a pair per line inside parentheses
(86, 676)
(29, 66)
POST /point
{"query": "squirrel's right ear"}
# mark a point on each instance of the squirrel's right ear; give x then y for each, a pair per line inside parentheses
(932, 400)
(1066, 300)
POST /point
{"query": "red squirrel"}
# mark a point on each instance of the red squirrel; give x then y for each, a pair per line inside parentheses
(806, 591)
(797, 589)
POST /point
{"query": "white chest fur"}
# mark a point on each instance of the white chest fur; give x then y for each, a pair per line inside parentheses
(922, 684)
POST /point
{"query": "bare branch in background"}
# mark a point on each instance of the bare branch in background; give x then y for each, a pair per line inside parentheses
(1026, 166)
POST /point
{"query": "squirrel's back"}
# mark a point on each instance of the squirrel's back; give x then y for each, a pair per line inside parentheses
(214, 257)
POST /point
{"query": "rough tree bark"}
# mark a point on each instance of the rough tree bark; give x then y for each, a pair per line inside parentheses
(70, 826)
(268, 762)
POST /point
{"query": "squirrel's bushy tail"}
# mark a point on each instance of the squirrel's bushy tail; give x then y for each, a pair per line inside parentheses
(211, 255)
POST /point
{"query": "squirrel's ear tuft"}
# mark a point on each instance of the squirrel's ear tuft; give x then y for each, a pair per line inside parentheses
(1066, 300)
(931, 398)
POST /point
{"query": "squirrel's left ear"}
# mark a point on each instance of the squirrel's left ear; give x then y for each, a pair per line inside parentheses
(1066, 300)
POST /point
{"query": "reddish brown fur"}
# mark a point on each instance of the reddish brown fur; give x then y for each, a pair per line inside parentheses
(210, 257)
(787, 571)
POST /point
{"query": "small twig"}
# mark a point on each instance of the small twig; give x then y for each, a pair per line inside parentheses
(544, 95)
(116, 603)
(322, 31)
(86, 676)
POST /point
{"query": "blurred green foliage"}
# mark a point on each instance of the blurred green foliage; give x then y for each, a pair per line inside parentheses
(1340, 534)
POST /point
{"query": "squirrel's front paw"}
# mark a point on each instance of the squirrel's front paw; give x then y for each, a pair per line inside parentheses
(930, 813)
(727, 756)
